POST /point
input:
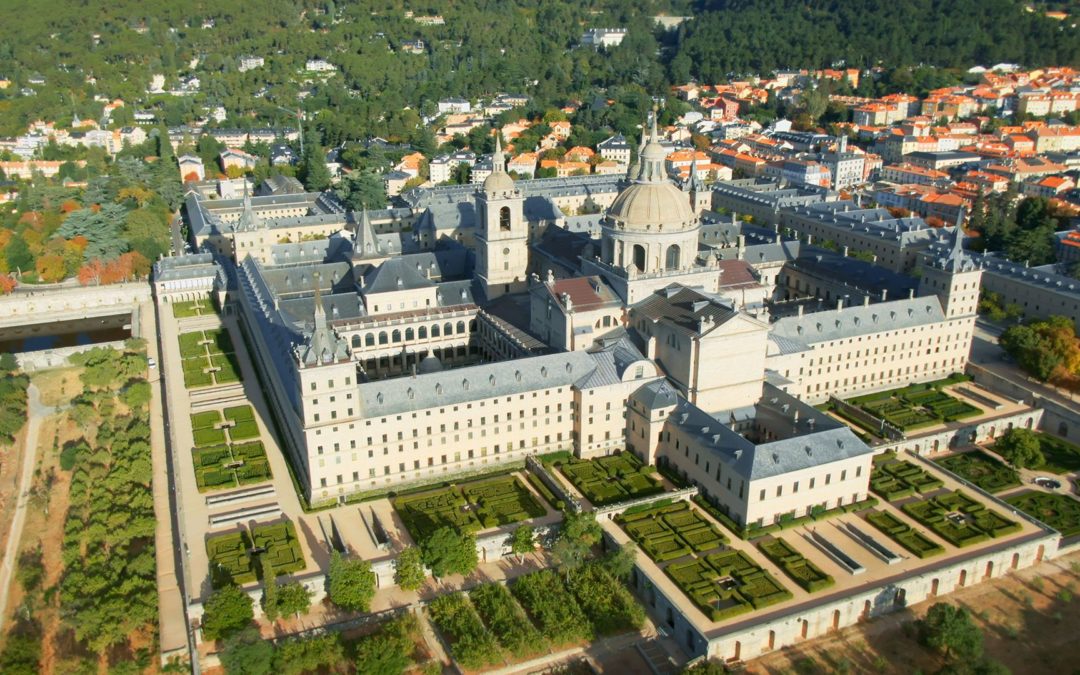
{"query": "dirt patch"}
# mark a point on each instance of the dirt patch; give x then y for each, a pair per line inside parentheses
(1028, 620)
(11, 457)
(59, 385)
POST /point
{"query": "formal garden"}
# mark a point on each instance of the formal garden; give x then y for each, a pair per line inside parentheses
(1060, 456)
(794, 564)
(917, 406)
(979, 468)
(469, 507)
(234, 556)
(208, 358)
(669, 531)
(611, 479)
(224, 456)
(726, 584)
(193, 308)
(903, 534)
(894, 479)
(1058, 511)
(959, 519)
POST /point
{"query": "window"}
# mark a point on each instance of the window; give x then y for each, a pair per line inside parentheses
(504, 219)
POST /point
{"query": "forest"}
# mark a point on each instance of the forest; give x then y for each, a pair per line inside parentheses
(485, 46)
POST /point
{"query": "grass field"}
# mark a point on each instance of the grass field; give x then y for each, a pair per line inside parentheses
(191, 308)
(208, 358)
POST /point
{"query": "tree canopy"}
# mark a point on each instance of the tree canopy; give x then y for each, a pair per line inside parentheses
(1020, 447)
(351, 583)
(950, 630)
(448, 551)
(226, 612)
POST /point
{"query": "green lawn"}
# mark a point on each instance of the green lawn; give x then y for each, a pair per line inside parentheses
(469, 507)
(184, 310)
(1058, 511)
(208, 358)
(612, 479)
(981, 469)
(671, 531)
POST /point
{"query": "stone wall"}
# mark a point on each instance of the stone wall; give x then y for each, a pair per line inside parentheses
(966, 434)
(64, 302)
(56, 358)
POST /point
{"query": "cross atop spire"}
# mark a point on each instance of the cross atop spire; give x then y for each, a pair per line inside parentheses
(498, 162)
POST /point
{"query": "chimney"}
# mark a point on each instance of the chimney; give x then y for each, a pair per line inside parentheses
(911, 294)
(884, 294)
(866, 301)
(800, 309)
(839, 304)
(650, 348)
(845, 251)
(742, 245)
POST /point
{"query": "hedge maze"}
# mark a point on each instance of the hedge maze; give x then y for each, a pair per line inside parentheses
(894, 479)
(916, 406)
(903, 534)
(1058, 511)
(671, 531)
(220, 461)
(611, 479)
(959, 519)
(727, 584)
(208, 358)
(234, 557)
(794, 564)
(469, 507)
(981, 469)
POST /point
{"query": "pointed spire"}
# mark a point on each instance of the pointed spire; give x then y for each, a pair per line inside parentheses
(320, 311)
(653, 138)
(365, 242)
(248, 219)
(955, 261)
(498, 162)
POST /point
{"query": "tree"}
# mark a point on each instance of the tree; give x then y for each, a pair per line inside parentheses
(361, 189)
(581, 526)
(1020, 447)
(522, 541)
(308, 655)
(271, 599)
(294, 598)
(389, 651)
(950, 630)
(350, 583)
(21, 655)
(409, 570)
(620, 562)
(246, 653)
(227, 611)
(448, 551)
(313, 171)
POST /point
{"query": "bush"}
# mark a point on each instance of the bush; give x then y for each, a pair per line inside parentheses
(227, 611)
(506, 620)
(555, 611)
(472, 645)
(606, 602)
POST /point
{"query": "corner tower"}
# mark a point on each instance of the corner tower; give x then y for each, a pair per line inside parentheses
(502, 236)
(954, 278)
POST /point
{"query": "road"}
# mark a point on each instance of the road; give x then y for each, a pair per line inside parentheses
(36, 414)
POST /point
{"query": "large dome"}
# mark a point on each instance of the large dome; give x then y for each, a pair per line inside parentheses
(498, 181)
(652, 207)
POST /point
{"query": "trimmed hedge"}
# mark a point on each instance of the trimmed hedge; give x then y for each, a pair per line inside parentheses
(903, 534)
(611, 479)
(1058, 511)
(803, 572)
(755, 532)
(747, 586)
(468, 508)
(959, 519)
(981, 469)
(670, 531)
(542, 489)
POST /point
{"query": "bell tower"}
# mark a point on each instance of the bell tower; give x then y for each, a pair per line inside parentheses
(503, 235)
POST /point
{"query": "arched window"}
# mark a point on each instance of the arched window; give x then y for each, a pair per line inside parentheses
(672, 262)
(355, 341)
(504, 218)
(382, 337)
(435, 330)
(396, 336)
(448, 329)
(639, 257)
(421, 332)
(369, 340)
(460, 327)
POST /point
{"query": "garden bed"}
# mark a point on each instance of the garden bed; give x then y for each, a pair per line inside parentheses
(469, 507)
(917, 406)
(959, 519)
(726, 584)
(611, 479)
(894, 479)
(208, 358)
(904, 534)
(982, 470)
(803, 572)
(671, 531)
(1058, 511)
(234, 557)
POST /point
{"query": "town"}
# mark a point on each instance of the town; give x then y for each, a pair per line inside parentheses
(775, 372)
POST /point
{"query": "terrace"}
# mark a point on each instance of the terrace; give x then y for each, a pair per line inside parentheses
(917, 406)
(224, 454)
(982, 470)
(208, 358)
(707, 596)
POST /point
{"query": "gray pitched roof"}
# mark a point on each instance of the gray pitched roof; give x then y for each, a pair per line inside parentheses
(475, 383)
(686, 309)
(860, 320)
(395, 274)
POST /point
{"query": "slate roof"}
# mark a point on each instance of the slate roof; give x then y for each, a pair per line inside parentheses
(832, 325)
(684, 308)
(395, 274)
(463, 385)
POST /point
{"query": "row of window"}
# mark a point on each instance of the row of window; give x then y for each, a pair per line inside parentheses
(396, 336)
